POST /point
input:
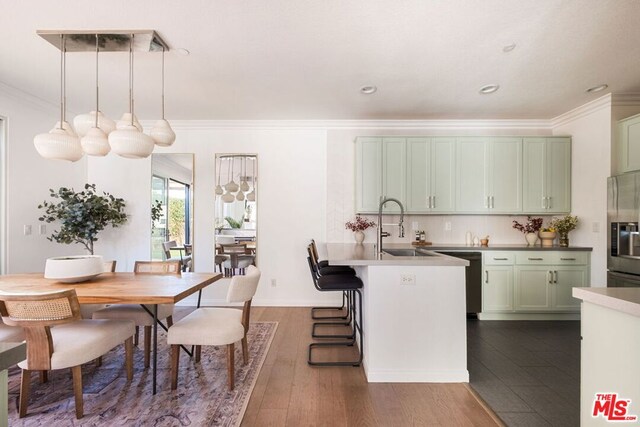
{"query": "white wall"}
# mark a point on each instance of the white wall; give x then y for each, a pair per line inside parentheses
(291, 205)
(28, 180)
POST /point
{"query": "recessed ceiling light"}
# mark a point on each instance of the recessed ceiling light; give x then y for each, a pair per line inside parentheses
(487, 89)
(509, 47)
(368, 90)
(597, 88)
(182, 51)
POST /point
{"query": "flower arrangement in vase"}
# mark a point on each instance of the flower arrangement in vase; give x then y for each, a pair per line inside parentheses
(358, 226)
(530, 229)
(563, 226)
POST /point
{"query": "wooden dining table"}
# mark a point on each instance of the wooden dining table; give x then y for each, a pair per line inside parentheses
(120, 288)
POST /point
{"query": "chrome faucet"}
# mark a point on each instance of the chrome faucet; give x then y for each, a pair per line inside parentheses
(381, 233)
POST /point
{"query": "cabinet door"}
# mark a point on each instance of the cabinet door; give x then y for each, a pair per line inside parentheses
(394, 172)
(497, 289)
(418, 175)
(368, 174)
(558, 170)
(505, 175)
(565, 279)
(471, 175)
(443, 173)
(531, 288)
(630, 143)
(533, 175)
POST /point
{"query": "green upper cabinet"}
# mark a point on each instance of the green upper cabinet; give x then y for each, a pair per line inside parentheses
(547, 175)
(368, 174)
(430, 175)
(394, 172)
(489, 175)
(629, 143)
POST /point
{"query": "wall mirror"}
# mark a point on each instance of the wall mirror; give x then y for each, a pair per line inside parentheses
(172, 208)
(236, 212)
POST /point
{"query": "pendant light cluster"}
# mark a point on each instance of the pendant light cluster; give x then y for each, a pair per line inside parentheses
(242, 190)
(95, 134)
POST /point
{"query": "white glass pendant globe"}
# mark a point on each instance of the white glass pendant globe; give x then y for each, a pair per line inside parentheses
(84, 122)
(244, 186)
(58, 144)
(131, 143)
(251, 196)
(228, 197)
(240, 196)
(125, 120)
(231, 187)
(162, 133)
(219, 190)
(95, 142)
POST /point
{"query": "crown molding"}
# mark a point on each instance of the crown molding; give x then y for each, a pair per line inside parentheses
(625, 99)
(354, 124)
(583, 110)
(28, 99)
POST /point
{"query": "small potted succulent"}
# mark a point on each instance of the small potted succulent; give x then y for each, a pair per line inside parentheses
(530, 229)
(563, 226)
(358, 226)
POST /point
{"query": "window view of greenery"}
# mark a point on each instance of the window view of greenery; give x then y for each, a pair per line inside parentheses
(170, 211)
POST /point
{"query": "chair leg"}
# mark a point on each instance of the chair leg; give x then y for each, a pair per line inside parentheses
(175, 362)
(99, 362)
(44, 377)
(198, 353)
(76, 372)
(135, 337)
(25, 383)
(170, 321)
(147, 345)
(128, 357)
(230, 365)
(245, 350)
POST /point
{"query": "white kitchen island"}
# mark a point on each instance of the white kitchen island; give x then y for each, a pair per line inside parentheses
(414, 314)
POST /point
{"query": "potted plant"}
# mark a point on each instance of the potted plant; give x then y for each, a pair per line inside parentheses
(82, 215)
(358, 226)
(547, 235)
(563, 226)
(530, 229)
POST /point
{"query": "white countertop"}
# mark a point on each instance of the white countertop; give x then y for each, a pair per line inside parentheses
(364, 254)
(626, 300)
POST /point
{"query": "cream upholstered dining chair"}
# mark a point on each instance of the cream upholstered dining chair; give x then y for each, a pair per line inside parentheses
(185, 260)
(136, 312)
(57, 338)
(87, 310)
(217, 326)
(10, 333)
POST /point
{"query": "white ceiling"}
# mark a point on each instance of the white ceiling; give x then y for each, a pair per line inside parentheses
(306, 59)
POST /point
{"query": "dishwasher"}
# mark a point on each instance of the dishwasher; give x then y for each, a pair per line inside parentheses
(473, 279)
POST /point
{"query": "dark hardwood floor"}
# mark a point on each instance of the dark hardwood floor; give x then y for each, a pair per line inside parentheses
(527, 372)
(289, 392)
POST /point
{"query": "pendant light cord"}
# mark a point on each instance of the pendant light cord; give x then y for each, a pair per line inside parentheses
(97, 90)
(162, 82)
(61, 79)
(131, 77)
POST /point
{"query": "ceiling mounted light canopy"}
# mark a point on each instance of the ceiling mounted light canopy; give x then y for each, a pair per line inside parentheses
(100, 134)
(61, 143)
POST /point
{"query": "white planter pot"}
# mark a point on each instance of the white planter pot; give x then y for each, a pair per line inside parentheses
(74, 269)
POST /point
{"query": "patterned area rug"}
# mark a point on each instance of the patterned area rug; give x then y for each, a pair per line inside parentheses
(202, 397)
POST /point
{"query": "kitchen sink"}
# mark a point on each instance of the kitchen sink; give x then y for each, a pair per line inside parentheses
(408, 252)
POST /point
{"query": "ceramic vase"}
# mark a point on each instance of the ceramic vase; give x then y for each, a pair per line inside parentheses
(563, 240)
(547, 238)
(532, 238)
(359, 236)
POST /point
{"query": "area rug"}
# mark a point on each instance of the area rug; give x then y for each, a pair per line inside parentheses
(202, 397)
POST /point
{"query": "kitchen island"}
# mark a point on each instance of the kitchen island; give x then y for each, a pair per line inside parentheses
(414, 313)
(610, 350)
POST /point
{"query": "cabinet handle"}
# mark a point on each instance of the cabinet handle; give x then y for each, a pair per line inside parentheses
(429, 202)
(486, 276)
(544, 205)
(555, 275)
(501, 259)
(548, 202)
(434, 202)
(567, 259)
(550, 276)
(486, 202)
(535, 259)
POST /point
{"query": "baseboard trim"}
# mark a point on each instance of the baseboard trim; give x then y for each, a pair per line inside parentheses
(528, 316)
(417, 376)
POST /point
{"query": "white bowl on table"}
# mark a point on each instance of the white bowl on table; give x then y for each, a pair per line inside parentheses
(74, 269)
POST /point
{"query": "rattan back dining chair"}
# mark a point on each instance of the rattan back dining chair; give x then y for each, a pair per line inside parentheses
(57, 337)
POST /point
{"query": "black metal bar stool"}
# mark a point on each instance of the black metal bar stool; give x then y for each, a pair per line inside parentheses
(345, 283)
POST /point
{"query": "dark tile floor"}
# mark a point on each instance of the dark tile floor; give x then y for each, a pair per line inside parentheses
(527, 372)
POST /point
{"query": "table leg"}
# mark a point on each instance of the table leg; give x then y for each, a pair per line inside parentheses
(155, 345)
(198, 306)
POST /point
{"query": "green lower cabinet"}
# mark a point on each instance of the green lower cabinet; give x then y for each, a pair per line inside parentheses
(566, 278)
(532, 288)
(497, 289)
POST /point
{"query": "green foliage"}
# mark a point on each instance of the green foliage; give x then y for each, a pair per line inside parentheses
(156, 212)
(564, 224)
(233, 223)
(82, 215)
(176, 220)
